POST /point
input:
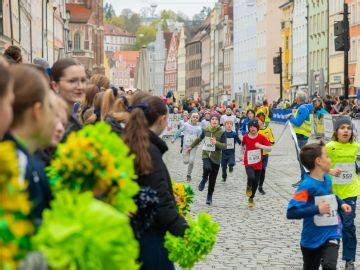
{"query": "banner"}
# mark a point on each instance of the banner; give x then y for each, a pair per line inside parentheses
(173, 125)
(280, 115)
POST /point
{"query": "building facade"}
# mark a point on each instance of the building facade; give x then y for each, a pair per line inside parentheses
(170, 72)
(193, 67)
(159, 62)
(299, 46)
(87, 33)
(206, 62)
(122, 71)
(336, 59)
(228, 39)
(268, 42)
(244, 65)
(37, 27)
(318, 71)
(286, 33)
(181, 66)
(116, 39)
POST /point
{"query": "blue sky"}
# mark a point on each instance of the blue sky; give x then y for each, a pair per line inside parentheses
(189, 7)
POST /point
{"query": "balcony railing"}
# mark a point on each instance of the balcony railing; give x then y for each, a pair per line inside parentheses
(82, 53)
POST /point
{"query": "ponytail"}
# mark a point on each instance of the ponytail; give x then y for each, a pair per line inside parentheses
(145, 112)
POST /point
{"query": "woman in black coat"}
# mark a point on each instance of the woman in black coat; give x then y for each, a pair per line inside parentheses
(148, 119)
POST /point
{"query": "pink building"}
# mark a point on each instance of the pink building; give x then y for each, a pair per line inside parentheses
(122, 70)
(268, 41)
(170, 82)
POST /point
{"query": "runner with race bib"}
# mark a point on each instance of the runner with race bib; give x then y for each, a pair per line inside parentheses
(191, 131)
(254, 145)
(228, 155)
(214, 142)
(343, 152)
(314, 202)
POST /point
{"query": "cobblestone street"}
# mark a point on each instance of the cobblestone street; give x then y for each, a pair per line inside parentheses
(260, 238)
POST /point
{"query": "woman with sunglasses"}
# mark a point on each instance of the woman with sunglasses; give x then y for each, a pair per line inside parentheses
(191, 130)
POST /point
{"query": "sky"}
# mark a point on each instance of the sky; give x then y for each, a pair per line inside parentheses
(189, 7)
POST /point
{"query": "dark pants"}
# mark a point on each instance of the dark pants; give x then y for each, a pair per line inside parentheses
(349, 231)
(153, 254)
(302, 141)
(182, 141)
(210, 172)
(253, 179)
(227, 160)
(263, 171)
(328, 252)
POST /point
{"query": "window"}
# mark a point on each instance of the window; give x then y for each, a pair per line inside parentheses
(77, 42)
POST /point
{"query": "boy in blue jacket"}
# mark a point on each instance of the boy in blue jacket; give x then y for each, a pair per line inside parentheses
(318, 206)
(250, 114)
(228, 154)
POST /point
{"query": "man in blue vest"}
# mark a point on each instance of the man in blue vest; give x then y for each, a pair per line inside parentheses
(301, 120)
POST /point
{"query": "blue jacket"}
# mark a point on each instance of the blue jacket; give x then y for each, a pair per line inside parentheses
(303, 114)
(243, 128)
(302, 206)
(230, 135)
(38, 185)
(321, 112)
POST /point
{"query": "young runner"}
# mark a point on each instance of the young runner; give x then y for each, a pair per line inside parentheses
(250, 114)
(228, 154)
(191, 130)
(228, 116)
(254, 145)
(183, 120)
(206, 121)
(267, 132)
(343, 154)
(318, 206)
(214, 142)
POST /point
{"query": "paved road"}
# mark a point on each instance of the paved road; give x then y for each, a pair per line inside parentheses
(259, 238)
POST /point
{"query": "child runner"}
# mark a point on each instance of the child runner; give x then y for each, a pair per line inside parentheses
(250, 114)
(206, 121)
(214, 142)
(343, 154)
(183, 120)
(318, 206)
(228, 116)
(228, 154)
(254, 145)
(191, 131)
(267, 132)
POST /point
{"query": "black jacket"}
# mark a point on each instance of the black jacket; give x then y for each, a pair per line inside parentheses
(73, 125)
(38, 184)
(167, 217)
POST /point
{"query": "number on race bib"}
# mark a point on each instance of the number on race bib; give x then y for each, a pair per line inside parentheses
(207, 146)
(189, 139)
(254, 156)
(347, 173)
(327, 219)
(230, 143)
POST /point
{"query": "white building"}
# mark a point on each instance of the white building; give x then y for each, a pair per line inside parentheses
(117, 39)
(299, 49)
(181, 66)
(244, 52)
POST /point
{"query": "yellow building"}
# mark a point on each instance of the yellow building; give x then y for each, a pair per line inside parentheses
(286, 32)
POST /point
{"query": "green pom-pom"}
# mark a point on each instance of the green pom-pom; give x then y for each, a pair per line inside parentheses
(197, 242)
(80, 232)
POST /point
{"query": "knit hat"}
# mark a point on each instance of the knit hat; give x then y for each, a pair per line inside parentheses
(215, 115)
(253, 123)
(342, 120)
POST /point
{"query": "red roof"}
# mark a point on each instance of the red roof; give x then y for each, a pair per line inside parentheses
(78, 13)
(113, 30)
(130, 57)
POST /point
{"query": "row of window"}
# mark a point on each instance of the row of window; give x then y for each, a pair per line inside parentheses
(318, 23)
(193, 82)
(193, 49)
(194, 64)
(319, 59)
(119, 40)
(354, 10)
(170, 78)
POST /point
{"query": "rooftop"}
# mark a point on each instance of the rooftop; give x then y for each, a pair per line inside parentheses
(78, 13)
(130, 57)
(112, 30)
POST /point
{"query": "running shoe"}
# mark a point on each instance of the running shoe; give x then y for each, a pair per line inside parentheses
(248, 191)
(251, 203)
(209, 199)
(224, 179)
(188, 178)
(262, 192)
(202, 185)
(231, 169)
(349, 265)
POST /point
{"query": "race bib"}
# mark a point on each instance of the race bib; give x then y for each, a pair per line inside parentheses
(347, 175)
(327, 219)
(230, 143)
(189, 139)
(207, 146)
(254, 156)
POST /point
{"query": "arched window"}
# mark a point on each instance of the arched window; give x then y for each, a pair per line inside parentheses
(77, 46)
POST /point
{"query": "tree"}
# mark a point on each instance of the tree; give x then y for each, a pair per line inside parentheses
(132, 24)
(202, 15)
(118, 21)
(144, 35)
(109, 11)
(126, 12)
